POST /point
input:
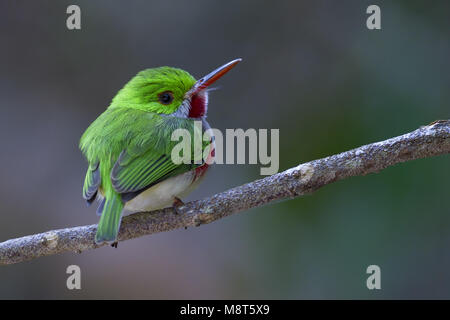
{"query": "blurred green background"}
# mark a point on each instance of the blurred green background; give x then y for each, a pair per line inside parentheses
(311, 69)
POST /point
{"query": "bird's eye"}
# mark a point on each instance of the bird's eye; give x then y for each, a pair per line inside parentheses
(165, 97)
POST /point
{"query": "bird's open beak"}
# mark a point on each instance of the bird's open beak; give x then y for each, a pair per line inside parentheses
(212, 77)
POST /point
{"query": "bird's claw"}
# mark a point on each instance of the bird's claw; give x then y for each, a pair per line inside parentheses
(177, 202)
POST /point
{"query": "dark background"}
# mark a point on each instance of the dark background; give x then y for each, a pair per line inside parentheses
(311, 69)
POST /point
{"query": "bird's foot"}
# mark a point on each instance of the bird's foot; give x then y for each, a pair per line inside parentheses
(114, 244)
(177, 202)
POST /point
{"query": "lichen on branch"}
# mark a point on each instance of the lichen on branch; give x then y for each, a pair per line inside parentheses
(427, 141)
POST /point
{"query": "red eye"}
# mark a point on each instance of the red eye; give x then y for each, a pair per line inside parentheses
(165, 97)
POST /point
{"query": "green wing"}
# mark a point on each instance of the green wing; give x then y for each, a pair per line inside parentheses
(91, 183)
(146, 162)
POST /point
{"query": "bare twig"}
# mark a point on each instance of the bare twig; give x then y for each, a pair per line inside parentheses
(427, 141)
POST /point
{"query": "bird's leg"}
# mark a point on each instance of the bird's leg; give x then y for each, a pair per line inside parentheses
(177, 202)
(114, 244)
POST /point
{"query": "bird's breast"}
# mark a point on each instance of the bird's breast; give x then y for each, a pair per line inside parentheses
(162, 195)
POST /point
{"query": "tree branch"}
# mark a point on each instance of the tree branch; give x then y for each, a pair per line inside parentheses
(427, 141)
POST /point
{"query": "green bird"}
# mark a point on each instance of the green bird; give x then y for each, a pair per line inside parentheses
(129, 146)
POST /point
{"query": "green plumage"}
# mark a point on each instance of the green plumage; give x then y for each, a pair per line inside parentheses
(129, 146)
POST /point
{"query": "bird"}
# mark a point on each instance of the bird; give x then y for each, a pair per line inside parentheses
(128, 147)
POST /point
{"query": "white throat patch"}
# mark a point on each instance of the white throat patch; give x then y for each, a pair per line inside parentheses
(183, 110)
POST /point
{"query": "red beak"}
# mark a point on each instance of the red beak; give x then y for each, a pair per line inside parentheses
(213, 76)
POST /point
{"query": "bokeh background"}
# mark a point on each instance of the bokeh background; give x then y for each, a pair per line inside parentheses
(311, 69)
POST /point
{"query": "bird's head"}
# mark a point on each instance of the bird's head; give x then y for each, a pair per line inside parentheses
(169, 91)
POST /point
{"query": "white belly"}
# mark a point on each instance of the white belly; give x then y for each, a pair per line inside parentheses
(162, 195)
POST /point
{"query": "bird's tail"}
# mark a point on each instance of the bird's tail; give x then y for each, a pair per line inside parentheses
(109, 224)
